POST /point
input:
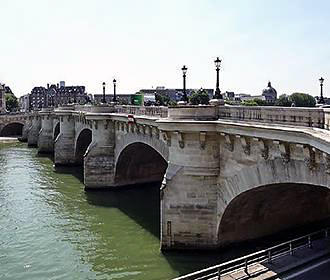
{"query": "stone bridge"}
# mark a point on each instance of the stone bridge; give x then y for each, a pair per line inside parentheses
(228, 173)
(12, 124)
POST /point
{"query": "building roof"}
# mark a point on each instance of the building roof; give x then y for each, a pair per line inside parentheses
(269, 91)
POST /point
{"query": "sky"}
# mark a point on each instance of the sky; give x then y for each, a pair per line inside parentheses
(145, 43)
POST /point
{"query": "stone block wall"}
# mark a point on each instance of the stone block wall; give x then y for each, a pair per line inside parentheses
(64, 144)
(34, 129)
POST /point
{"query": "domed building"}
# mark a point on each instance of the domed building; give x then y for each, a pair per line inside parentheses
(270, 93)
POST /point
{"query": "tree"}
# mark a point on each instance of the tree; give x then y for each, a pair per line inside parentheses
(199, 97)
(283, 101)
(11, 103)
(260, 102)
(162, 100)
(249, 103)
(302, 100)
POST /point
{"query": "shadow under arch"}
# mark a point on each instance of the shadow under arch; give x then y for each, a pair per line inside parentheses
(139, 172)
(139, 163)
(83, 140)
(271, 209)
(12, 129)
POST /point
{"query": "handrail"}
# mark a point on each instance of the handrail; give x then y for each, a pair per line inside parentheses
(268, 254)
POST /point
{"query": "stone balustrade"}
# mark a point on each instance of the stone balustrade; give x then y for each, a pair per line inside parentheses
(310, 117)
(326, 118)
(193, 112)
(153, 111)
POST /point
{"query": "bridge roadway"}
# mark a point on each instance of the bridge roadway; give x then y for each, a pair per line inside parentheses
(229, 174)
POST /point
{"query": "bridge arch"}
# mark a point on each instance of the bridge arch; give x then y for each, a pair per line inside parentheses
(270, 197)
(12, 129)
(83, 140)
(139, 163)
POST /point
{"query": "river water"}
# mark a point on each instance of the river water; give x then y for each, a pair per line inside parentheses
(50, 228)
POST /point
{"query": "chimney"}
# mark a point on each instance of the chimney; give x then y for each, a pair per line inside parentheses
(58, 85)
(47, 86)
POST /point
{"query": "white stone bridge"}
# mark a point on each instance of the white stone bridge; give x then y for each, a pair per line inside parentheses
(229, 173)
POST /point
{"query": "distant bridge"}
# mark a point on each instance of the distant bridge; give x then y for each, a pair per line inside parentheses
(229, 173)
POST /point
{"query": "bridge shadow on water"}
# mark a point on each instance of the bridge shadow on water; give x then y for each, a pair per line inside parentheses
(142, 204)
(76, 171)
(139, 202)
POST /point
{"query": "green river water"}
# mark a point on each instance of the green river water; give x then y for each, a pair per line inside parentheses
(50, 228)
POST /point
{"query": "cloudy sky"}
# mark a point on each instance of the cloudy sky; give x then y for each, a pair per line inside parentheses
(144, 43)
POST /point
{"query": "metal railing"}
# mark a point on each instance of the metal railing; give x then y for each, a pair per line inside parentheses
(268, 255)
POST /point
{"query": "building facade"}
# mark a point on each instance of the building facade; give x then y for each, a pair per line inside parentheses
(23, 103)
(121, 98)
(2, 98)
(56, 95)
(4, 91)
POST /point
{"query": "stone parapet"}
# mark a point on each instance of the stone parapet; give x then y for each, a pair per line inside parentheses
(153, 111)
(326, 118)
(198, 112)
(310, 117)
(102, 108)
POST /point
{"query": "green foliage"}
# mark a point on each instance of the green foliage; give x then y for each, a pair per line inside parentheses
(172, 103)
(261, 102)
(230, 102)
(249, 103)
(283, 101)
(11, 103)
(302, 100)
(199, 97)
(162, 100)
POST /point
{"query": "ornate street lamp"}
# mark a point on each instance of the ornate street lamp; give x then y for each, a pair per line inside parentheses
(217, 94)
(184, 72)
(114, 90)
(103, 99)
(321, 101)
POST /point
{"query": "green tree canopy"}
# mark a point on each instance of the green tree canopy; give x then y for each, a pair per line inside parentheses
(162, 100)
(249, 103)
(11, 103)
(199, 97)
(302, 100)
(283, 101)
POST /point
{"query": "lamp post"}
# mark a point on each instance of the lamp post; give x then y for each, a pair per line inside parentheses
(184, 72)
(103, 99)
(217, 94)
(321, 101)
(114, 90)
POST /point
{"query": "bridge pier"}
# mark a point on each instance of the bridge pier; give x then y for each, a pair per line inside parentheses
(99, 157)
(33, 131)
(64, 143)
(25, 130)
(45, 139)
(189, 191)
